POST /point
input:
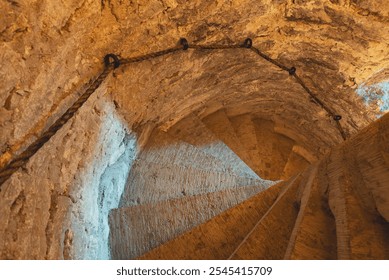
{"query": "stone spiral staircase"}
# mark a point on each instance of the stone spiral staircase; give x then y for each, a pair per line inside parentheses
(194, 193)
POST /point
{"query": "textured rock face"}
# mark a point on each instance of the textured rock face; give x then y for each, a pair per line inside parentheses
(49, 51)
(335, 209)
(57, 207)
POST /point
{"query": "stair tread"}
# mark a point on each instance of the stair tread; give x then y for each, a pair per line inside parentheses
(273, 149)
(163, 148)
(374, 164)
(245, 130)
(361, 230)
(218, 237)
(221, 126)
(269, 237)
(294, 164)
(336, 209)
(152, 182)
(143, 227)
(193, 131)
(314, 233)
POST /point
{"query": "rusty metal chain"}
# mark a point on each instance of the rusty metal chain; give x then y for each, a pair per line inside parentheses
(21, 159)
(248, 43)
(292, 72)
(112, 61)
(150, 55)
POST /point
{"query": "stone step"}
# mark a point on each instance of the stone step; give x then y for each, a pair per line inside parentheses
(221, 126)
(245, 130)
(136, 230)
(303, 146)
(295, 164)
(371, 150)
(163, 148)
(218, 237)
(314, 233)
(270, 236)
(193, 131)
(361, 230)
(273, 148)
(150, 182)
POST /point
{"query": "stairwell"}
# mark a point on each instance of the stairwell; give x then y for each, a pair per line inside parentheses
(196, 192)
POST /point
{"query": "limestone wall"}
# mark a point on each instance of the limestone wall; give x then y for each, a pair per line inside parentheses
(49, 50)
(57, 207)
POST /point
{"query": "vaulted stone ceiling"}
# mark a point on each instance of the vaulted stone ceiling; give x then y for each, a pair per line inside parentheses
(50, 49)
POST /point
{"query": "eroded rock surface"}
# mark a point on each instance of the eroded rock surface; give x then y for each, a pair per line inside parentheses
(50, 50)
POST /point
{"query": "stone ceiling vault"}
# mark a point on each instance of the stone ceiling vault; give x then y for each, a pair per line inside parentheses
(49, 51)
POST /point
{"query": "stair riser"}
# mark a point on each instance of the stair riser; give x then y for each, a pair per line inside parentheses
(269, 238)
(149, 182)
(314, 234)
(274, 150)
(136, 230)
(245, 130)
(221, 126)
(193, 131)
(184, 155)
(361, 231)
(295, 164)
(218, 238)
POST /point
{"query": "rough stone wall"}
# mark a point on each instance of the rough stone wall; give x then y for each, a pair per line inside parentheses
(50, 49)
(57, 207)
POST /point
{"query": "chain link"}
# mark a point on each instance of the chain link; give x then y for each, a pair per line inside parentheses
(111, 61)
(292, 71)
